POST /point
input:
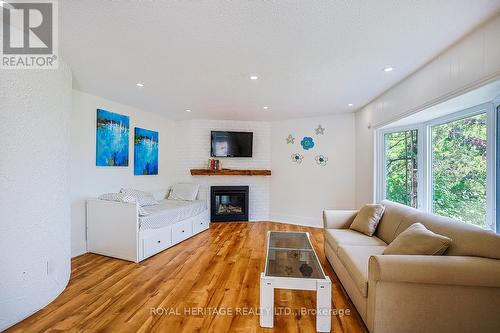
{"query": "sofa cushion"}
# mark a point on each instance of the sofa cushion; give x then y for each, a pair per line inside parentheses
(418, 240)
(367, 219)
(355, 260)
(468, 240)
(337, 237)
(394, 215)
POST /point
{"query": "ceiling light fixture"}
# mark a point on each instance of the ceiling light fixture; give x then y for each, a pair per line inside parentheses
(188, 110)
(266, 107)
(388, 69)
(140, 84)
(254, 77)
(350, 105)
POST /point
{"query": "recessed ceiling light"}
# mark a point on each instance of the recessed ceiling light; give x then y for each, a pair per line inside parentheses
(188, 110)
(140, 84)
(350, 104)
(254, 77)
(266, 107)
(388, 69)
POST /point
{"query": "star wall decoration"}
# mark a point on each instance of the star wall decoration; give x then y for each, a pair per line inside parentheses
(320, 130)
(290, 139)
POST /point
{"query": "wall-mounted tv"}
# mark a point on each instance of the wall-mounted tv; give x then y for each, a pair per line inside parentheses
(231, 144)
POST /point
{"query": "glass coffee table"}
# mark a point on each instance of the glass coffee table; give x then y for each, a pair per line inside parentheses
(291, 263)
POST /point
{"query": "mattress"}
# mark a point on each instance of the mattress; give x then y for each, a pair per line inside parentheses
(168, 212)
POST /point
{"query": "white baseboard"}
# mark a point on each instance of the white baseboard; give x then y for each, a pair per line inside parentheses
(78, 253)
(298, 220)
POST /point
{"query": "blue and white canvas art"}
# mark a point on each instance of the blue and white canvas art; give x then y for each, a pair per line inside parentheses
(112, 134)
(145, 152)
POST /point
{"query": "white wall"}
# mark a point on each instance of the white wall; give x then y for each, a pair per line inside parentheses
(35, 224)
(88, 180)
(473, 61)
(300, 192)
(192, 142)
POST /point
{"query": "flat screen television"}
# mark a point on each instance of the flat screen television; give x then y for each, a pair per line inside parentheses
(231, 144)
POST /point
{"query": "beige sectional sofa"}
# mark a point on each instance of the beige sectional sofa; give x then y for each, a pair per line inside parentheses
(456, 292)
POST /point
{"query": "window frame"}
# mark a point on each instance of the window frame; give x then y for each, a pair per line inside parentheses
(424, 158)
(382, 160)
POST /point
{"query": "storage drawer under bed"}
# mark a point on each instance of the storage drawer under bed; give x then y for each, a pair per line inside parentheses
(181, 231)
(156, 243)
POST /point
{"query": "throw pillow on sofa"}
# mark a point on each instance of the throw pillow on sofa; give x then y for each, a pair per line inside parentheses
(143, 198)
(418, 240)
(366, 221)
(184, 191)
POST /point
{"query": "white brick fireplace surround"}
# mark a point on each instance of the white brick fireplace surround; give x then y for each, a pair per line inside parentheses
(192, 141)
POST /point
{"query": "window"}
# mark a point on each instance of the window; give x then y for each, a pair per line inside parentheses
(401, 167)
(444, 166)
(459, 169)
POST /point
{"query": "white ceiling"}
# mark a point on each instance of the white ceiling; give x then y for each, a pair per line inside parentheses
(312, 57)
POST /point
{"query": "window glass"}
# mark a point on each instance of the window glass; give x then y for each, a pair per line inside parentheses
(459, 169)
(401, 167)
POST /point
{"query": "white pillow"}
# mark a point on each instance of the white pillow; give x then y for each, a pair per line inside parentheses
(143, 198)
(121, 197)
(184, 191)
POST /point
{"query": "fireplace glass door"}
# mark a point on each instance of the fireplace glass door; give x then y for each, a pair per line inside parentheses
(229, 203)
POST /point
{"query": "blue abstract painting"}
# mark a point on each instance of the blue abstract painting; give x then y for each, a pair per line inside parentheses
(145, 152)
(111, 139)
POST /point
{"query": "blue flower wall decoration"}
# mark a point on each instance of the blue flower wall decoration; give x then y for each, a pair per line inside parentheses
(307, 143)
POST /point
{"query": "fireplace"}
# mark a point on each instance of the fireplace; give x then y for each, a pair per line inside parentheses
(228, 203)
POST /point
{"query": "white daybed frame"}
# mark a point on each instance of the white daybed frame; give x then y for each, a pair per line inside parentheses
(113, 229)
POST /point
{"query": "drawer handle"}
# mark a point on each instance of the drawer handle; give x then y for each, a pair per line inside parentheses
(159, 241)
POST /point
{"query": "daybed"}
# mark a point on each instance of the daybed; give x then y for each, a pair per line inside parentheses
(115, 229)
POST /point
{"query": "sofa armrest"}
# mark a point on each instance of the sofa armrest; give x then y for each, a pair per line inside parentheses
(444, 270)
(338, 219)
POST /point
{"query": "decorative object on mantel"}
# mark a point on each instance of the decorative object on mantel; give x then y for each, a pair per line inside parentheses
(111, 139)
(320, 130)
(145, 152)
(297, 158)
(307, 143)
(321, 160)
(214, 164)
(290, 139)
(229, 172)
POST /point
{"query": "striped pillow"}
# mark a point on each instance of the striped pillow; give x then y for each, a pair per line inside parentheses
(143, 198)
(121, 197)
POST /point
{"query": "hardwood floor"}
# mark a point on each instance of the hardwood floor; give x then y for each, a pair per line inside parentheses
(218, 269)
